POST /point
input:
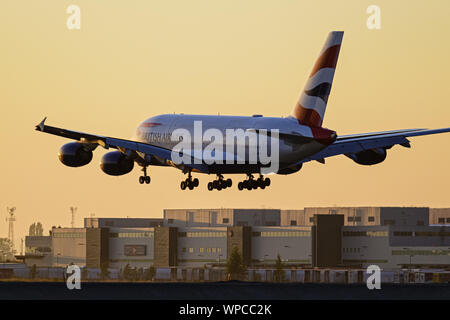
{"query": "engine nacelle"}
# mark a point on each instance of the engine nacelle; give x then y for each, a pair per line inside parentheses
(74, 154)
(369, 157)
(115, 163)
(290, 170)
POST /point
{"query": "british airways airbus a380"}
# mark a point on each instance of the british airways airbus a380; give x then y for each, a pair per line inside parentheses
(299, 138)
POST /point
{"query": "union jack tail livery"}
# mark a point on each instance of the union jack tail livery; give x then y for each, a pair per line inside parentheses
(310, 109)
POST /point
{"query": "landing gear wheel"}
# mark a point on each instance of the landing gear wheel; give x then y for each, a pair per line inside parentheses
(210, 186)
(267, 182)
(223, 184)
(141, 179)
(183, 185)
(240, 186)
(147, 179)
(195, 182)
(229, 183)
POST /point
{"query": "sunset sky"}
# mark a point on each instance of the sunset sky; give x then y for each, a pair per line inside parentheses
(135, 59)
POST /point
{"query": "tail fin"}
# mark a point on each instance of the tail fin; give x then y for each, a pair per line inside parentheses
(310, 109)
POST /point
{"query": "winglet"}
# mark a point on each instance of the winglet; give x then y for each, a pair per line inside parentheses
(41, 125)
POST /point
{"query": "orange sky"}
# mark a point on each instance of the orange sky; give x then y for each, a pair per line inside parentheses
(135, 59)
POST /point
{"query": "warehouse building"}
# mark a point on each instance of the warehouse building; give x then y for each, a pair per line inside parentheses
(391, 237)
(440, 216)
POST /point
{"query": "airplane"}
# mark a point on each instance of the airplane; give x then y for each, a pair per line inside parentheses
(300, 136)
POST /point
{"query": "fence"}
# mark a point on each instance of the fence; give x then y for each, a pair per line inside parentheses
(347, 276)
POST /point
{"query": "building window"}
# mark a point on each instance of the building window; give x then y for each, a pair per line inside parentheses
(169, 221)
(350, 219)
(311, 219)
(441, 220)
(208, 250)
(202, 250)
(371, 219)
(191, 250)
(293, 222)
(225, 220)
(403, 234)
(219, 250)
(448, 220)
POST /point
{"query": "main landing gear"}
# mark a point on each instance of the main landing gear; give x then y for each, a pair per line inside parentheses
(189, 183)
(251, 183)
(145, 178)
(220, 183)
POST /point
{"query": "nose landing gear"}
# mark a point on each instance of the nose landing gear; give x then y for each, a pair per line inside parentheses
(145, 178)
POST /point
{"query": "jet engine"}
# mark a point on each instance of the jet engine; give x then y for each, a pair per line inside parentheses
(369, 157)
(74, 154)
(115, 163)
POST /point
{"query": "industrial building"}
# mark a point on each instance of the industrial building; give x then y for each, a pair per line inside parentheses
(390, 237)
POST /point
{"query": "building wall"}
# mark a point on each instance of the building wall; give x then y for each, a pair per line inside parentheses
(440, 216)
(133, 246)
(221, 217)
(69, 246)
(198, 217)
(122, 222)
(353, 216)
(202, 245)
(292, 243)
(373, 216)
(256, 217)
(166, 243)
(366, 246)
(240, 237)
(391, 247)
(97, 247)
(404, 216)
(292, 218)
(327, 240)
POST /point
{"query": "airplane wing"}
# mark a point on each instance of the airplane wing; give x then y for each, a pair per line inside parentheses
(123, 145)
(354, 143)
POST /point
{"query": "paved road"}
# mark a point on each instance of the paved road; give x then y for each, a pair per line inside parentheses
(219, 291)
